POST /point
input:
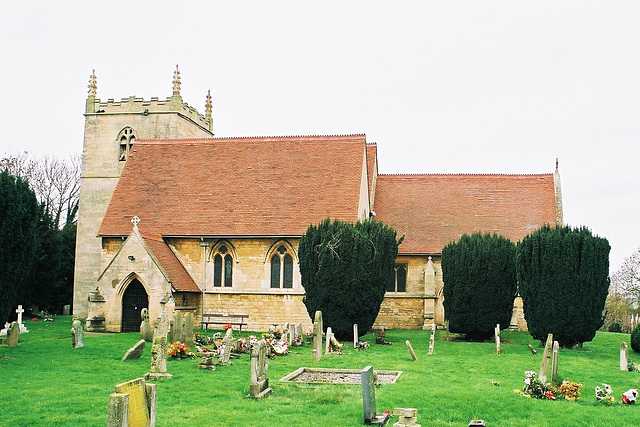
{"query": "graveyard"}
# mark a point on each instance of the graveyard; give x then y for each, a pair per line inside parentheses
(51, 381)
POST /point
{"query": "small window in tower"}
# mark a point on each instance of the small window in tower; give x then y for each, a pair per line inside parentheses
(126, 138)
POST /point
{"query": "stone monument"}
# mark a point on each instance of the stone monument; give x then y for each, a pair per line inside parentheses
(317, 337)
(133, 404)
(158, 369)
(146, 332)
(77, 334)
(259, 386)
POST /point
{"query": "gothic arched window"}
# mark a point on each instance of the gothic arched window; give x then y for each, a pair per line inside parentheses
(126, 138)
(222, 267)
(281, 268)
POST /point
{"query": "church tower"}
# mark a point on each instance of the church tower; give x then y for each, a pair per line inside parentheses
(111, 129)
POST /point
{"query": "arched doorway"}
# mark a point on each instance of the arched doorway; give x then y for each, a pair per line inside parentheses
(134, 300)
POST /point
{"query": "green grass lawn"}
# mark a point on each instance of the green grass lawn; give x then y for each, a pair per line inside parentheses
(47, 383)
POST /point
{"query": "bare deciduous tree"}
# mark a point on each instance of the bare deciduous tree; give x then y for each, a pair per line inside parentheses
(55, 181)
(627, 279)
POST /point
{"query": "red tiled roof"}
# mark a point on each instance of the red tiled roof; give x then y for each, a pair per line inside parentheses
(180, 279)
(271, 186)
(433, 210)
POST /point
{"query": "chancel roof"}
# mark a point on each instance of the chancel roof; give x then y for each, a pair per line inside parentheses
(433, 210)
(269, 186)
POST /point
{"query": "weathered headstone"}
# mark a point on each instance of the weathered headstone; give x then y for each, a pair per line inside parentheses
(317, 337)
(369, 399)
(624, 359)
(259, 386)
(328, 336)
(187, 329)
(298, 340)
(544, 366)
(554, 362)
(408, 417)
(411, 352)
(225, 350)
(432, 338)
(355, 335)
(146, 333)
(175, 329)
(96, 321)
(207, 363)
(497, 336)
(23, 328)
(66, 310)
(77, 335)
(533, 350)
(285, 332)
(13, 335)
(133, 404)
(134, 352)
(158, 369)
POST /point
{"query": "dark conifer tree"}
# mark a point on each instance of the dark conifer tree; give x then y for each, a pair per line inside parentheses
(479, 284)
(345, 270)
(563, 277)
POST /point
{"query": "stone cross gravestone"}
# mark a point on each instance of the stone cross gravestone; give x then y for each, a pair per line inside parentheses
(317, 337)
(134, 352)
(411, 352)
(146, 332)
(13, 335)
(554, 362)
(624, 359)
(259, 386)
(432, 338)
(77, 334)
(369, 399)
(158, 369)
(23, 328)
(355, 335)
(544, 366)
(133, 404)
(497, 336)
(407, 417)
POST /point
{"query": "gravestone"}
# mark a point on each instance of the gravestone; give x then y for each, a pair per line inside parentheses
(554, 363)
(369, 399)
(133, 404)
(23, 328)
(355, 335)
(285, 332)
(175, 329)
(225, 350)
(624, 359)
(259, 386)
(134, 352)
(3, 332)
(328, 336)
(298, 340)
(544, 366)
(317, 337)
(408, 417)
(187, 329)
(13, 335)
(533, 350)
(145, 327)
(158, 369)
(96, 321)
(411, 352)
(207, 363)
(432, 338)
(66, 310)
(497, 335)
(77, 335)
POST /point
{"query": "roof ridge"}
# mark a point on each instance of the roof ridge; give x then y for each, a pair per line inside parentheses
(173, 140)
(466, 174)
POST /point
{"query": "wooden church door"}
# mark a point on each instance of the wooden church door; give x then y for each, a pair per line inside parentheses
(133, 301)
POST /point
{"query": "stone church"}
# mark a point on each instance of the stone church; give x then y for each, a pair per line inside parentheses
(173, 218)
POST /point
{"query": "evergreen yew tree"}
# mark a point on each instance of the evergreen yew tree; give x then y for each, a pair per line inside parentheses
(345, 269)
(19, 214)
(563, 275)
(479, 277)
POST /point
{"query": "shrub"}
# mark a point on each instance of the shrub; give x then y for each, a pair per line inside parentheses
(615, 326)
(479, 275)
(635, 339)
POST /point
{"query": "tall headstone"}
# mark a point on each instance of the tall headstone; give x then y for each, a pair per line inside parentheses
(369, 399)
(146, 332)
(355, 335)
(77, 334)
(297, 335)
(13, 335)
(23, 328)
(175, 329)
(497, 335)
(133, 404)
(158, 369)
(187, 329)
(554, 362)
(66, 310)
(544, 365)
(432, 338)
(328, 336)
(317, 337)
(624, 359)
(259, 386)
(285, 332)
(411, 352)
(225, 350)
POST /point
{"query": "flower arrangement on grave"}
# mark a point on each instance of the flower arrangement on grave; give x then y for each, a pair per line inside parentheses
(570, 390)
(380, 337)
(202, 340)
(335, 346)
(276, 344)
(362, 345)
(629, 397)
(227, 326)
(241, 346)
(633, 366)
(533, 387)
(605, 394)
(178, 350)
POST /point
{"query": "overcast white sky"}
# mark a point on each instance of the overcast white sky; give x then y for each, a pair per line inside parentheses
(442, 87)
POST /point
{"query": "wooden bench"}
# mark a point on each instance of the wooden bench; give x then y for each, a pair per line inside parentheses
(223, 319)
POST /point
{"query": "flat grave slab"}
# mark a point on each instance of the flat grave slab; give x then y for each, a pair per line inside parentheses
(336, 376)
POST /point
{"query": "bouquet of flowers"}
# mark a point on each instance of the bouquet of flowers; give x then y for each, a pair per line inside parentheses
(570, 390)
(179, 350)
(605, 394)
